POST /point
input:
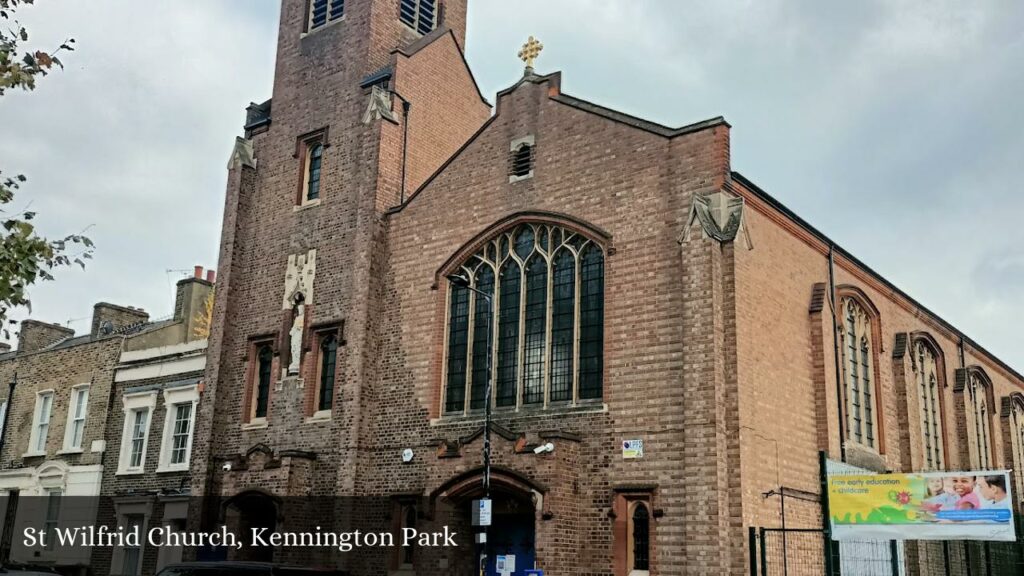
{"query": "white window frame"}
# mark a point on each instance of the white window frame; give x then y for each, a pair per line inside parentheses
(50, 524)
(173, 398)
(37, 413)
(131, 404)
(69, 446)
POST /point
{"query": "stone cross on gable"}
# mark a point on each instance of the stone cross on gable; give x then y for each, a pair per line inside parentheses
(530, 51)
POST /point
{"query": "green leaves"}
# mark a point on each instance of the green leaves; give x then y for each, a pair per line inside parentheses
(25, 256)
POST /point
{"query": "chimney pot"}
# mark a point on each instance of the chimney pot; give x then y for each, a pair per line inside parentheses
(211, 276)
(199, 272)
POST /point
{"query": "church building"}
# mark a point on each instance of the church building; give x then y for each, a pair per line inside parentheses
(661, 343)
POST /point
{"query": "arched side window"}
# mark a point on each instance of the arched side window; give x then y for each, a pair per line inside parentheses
(328, 367)
(539, 289)
(979, 422)
(265, 359)
(640, 539)
(316, 154)
(859, 373)
(929, 398)
(1017, 440)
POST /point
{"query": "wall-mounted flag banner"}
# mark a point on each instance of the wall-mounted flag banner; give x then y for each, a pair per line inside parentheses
(924, 506)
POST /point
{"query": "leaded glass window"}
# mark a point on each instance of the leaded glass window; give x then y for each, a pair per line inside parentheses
(264, 358)
(328, 366)
(547, 317)
(928, 399)
(858, 364)
(1017, 438)
(316, 156)
(980, 422)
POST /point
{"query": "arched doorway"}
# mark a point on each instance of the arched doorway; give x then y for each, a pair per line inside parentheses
(245, 512)
(513, 531)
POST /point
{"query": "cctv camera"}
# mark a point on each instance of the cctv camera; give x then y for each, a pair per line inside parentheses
(226, 467)
(549, 447)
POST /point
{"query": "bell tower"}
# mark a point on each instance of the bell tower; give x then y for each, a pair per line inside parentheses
(325, 46)
(370, 98)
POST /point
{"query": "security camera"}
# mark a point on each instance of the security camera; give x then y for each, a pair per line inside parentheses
(549, 447)
(226, 467)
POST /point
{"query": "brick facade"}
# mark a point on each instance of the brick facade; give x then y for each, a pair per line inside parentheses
(123, 353)
(718, 354)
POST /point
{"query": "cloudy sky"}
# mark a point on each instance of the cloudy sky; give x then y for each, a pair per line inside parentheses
(893, 126)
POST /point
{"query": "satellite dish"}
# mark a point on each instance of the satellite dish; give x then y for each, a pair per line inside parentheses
(407, 455)
(106, 327)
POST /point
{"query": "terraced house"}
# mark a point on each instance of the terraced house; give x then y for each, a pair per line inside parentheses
(392, 244)
(106, 417)
(54, 433)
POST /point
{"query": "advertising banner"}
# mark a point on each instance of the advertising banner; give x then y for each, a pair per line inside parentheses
(923, 506)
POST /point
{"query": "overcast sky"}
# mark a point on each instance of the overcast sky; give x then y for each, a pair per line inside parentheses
(893, 126)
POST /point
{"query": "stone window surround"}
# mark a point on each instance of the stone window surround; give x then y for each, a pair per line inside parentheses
(928, 363)
(1017, 438)
(173, 397)
(417, 25)
(979, 419)
(320, 332)
(513, 149)
(303, 144)
(33, 439)
(328, 21)
(252, 380)
(133, 402)
(846, 294)
(77, 389)
(576, 401)
(624, 503)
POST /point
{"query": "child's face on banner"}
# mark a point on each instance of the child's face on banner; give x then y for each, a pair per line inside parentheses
(988, 491)
(963, 485)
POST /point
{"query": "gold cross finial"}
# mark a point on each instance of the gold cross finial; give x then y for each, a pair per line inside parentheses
(530, 52)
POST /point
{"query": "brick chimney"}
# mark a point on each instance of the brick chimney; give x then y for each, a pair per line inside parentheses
(190, 300)
(108, 318)
(35, 335)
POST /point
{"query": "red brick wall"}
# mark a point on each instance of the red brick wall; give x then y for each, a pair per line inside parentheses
(317, 86)
(636, 186)
(447, 108)
(787, 371)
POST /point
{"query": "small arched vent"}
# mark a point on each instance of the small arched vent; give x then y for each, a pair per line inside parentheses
(520, 160)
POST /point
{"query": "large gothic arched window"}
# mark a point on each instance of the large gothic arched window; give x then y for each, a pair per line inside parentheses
(929, 395)
(979, 423)
(859, 374)
(547, 320)
(1017, 440)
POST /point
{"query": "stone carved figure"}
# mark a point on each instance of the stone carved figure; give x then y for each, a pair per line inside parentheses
(298, 293)
(295, 336)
